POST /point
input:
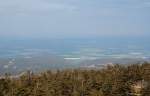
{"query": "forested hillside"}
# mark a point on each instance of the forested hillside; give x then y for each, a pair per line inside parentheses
(114, 80)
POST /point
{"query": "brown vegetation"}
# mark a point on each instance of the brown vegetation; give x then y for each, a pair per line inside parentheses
(114, 80)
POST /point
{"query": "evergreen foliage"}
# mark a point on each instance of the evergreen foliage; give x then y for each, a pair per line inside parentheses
(113, 80)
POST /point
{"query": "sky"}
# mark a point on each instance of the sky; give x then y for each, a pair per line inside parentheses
(74, 18)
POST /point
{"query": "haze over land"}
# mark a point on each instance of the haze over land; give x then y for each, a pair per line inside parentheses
(38, 55)
(53, 34)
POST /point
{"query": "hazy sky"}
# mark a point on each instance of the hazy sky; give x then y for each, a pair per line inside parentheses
(74, 18)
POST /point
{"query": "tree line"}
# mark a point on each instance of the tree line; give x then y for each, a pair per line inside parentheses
(113, 80)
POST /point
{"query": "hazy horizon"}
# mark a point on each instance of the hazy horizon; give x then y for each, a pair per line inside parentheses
(74, 18)
(55, 34)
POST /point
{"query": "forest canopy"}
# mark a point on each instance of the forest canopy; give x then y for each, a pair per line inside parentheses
(113, 80)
